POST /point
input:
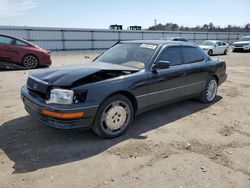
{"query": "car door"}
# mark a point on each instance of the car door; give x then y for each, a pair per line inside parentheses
(197, 69)
(223, 47)
(18, 49)
(216, 48)
(5, 48)
(167, 84)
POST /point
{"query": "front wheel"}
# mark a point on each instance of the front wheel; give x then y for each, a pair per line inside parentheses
(210, 52)
(210, 91)
(30, 62)
(113, 117)
(225, 52)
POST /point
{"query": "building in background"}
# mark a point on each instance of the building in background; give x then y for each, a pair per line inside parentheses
(115, 27)
(135, 27)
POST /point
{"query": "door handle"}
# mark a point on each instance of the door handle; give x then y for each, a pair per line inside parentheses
(6, 48)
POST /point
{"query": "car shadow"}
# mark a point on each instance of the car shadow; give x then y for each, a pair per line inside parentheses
(8, 66)
(32, 145)
(241, 51)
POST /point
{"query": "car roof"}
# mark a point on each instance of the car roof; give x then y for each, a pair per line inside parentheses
(215, 40)
(159, 42)
(172, 38)
(17, 38)
(6, 35)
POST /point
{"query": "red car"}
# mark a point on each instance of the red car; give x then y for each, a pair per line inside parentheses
(19, 51)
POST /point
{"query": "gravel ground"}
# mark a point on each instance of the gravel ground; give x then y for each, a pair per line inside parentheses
(187, 144)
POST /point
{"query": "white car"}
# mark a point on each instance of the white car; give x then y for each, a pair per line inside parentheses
(242, 44)
(213, 47)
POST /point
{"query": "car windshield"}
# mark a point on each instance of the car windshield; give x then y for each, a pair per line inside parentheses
(245, 39)
(208, 43)
(129, 54)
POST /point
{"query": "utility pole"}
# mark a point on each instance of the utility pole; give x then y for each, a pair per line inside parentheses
(155, 22)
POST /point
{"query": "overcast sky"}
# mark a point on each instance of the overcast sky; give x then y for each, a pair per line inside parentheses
(102, 13)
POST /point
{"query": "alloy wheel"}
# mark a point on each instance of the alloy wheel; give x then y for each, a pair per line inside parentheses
(211, 90)
(30, 62)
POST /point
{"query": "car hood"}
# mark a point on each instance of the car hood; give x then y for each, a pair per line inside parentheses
(205, 47)
(242, 42)
(67, 75)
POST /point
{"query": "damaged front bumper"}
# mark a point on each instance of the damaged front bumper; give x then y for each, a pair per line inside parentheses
(35, 107)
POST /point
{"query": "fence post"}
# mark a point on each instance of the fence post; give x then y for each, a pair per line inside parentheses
(238, 36)
(119, 36)
(63, 40)
(92, 40)
(28, 33)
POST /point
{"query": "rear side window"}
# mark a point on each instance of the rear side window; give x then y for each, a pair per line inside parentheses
(20, 43)
(5, 40)
(171, 54)
(192, 54)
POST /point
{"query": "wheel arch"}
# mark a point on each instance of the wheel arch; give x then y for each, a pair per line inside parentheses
(210, 49)
(127, 94)
(216, 77)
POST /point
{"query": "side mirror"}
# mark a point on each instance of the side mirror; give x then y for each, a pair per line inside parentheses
(161, 65)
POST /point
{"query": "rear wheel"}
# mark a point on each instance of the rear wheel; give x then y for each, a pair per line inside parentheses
(113, 117)
(210, 52)
(30, 61)
(209, 93)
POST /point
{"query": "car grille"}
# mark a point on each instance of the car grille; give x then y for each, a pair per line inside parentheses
(239, 45)
(38, 87)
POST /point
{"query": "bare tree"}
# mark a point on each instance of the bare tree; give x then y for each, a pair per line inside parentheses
(206, 27)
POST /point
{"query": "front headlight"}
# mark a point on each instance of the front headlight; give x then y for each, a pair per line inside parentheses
(61, 96)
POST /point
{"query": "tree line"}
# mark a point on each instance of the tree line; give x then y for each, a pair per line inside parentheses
(206, 27)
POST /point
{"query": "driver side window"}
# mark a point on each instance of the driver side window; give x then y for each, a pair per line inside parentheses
(172, 55)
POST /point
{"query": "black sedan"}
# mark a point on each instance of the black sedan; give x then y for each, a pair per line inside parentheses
(126, 80)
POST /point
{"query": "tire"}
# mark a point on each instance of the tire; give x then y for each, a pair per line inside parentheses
(225, 52)
(113, 117)
(30, 62)
(208, 95)
(210, 52)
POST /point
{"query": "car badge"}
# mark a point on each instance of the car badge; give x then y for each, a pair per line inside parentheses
(35, 86)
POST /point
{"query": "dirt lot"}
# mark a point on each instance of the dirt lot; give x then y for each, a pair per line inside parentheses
(187, 144)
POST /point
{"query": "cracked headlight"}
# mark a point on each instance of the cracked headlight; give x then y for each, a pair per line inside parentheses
(61, 96)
